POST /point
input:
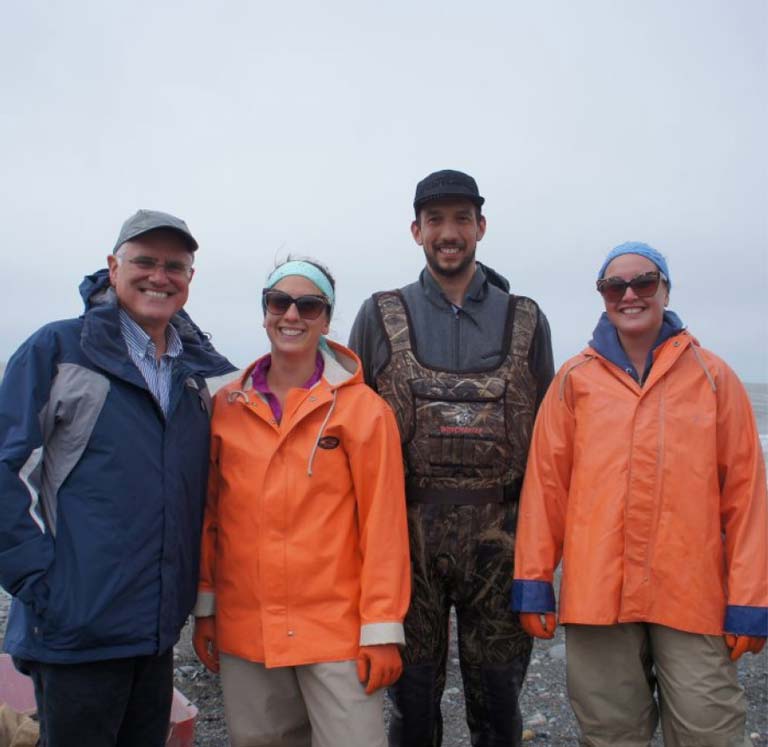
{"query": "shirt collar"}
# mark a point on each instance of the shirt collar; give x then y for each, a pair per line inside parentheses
(476, 291)
(605, 340)
(260, 370)
(141, 343)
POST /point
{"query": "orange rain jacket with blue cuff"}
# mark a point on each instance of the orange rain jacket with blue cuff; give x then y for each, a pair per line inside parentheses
(305, 545)
(654, 497)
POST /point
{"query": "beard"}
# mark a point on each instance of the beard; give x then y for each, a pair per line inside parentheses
(453, 270)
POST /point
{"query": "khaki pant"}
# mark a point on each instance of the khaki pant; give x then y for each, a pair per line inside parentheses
(613, 671)
(315, 705)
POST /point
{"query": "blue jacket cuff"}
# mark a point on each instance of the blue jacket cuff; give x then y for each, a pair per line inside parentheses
(741, 620)
(532, 596)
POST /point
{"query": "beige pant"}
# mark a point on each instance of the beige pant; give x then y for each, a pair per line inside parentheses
(613, 671)
(315, 705)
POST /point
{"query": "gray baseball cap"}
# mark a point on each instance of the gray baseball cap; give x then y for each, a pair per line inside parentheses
(143, 221)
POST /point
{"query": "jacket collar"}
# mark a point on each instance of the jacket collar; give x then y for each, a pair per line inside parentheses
(476, 291)
(605, 341)
(341, 366)
(102, 341)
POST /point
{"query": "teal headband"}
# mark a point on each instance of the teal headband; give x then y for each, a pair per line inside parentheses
(306, 270)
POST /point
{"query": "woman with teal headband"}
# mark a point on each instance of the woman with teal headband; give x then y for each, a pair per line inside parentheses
(305, 575)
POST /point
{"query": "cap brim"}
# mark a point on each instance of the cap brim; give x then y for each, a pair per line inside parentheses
(476, 199)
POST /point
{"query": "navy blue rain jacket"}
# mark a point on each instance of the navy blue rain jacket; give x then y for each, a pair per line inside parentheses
(101, 495)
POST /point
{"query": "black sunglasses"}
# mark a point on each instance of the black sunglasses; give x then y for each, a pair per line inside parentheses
(643, 286)
(309, 307)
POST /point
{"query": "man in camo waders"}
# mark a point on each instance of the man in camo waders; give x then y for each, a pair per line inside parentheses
(464, 365)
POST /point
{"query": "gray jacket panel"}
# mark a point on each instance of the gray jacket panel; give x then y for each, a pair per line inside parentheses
(29, 474)
(67, 421)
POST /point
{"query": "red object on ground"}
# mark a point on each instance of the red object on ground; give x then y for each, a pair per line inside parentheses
(18, 692)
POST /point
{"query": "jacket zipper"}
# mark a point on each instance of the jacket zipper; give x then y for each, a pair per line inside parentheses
(659, 477)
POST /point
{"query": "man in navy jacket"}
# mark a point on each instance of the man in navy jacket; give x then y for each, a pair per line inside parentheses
(103, 468)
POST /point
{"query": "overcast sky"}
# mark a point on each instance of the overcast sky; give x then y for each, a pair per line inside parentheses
(304, 127)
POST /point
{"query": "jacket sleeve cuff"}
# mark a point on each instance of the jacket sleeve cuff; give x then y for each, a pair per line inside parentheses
(532, 596)
(205, 605)
(375, 634)
(23, 571)
(740, 620)
(35, 596)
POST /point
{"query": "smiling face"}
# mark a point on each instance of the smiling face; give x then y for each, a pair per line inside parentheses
(448, 231)
(636, 318)
(288, 332)
(151, 296)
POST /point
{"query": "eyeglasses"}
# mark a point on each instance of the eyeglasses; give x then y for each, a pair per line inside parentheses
(309, 307)
(643, 286)
(172, 268)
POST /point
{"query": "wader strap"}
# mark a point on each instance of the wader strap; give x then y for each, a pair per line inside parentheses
(463, 496)
(394, 317)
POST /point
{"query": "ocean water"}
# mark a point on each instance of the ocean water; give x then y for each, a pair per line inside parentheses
(758, 394)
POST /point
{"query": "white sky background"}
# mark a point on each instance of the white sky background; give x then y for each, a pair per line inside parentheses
(304, 127)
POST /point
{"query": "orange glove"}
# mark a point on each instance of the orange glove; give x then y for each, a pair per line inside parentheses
(539, 624)
(379, 666)
(204, 642)
(740, 644)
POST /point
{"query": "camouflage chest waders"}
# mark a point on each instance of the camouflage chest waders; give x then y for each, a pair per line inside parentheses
(465, 443)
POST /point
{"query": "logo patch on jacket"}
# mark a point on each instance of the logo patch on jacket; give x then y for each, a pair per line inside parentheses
(328, 442)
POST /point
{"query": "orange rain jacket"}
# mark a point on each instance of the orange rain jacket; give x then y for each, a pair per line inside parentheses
(305, 544)
(654, 497)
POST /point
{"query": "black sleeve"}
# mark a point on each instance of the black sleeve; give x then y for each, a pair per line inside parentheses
(367, 340)
(541, 361)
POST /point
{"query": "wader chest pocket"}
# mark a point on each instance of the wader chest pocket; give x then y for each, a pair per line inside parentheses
(459, 428)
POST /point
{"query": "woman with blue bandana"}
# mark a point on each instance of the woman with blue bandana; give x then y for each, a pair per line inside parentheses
(305, 576)
(646, 477)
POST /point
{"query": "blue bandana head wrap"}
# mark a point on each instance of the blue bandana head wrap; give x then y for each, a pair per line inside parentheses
(644, 250)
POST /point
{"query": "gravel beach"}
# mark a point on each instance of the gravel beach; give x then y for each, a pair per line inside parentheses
(546, 711)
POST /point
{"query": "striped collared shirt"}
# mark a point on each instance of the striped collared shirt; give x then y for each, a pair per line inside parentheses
(157, 373)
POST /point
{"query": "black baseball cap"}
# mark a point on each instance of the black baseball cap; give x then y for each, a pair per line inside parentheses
(143, 221)
(445, 184)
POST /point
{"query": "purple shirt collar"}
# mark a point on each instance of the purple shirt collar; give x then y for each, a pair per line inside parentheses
(259, 379)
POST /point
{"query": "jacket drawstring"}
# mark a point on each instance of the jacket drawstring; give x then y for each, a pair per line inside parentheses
(320, 434)
(234, 394)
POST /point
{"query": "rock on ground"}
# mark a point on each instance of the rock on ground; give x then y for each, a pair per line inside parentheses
(547, 715)
(546, 712)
